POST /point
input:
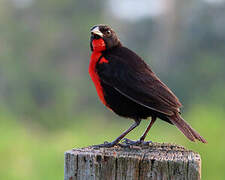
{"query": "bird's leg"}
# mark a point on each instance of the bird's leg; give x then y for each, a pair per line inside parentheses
(142, 138)
(116, 141)
(148, 128)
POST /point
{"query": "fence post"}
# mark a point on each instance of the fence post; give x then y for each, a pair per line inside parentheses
(154, 162)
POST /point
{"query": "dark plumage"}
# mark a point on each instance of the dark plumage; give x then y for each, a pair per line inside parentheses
(127, 85)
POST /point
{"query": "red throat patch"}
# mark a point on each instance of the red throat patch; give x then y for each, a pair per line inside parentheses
(98, 45)
(94, 76)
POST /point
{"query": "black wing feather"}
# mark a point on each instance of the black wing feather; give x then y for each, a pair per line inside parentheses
(132, 77)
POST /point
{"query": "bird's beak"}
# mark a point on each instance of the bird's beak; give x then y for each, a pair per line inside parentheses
(97, 31)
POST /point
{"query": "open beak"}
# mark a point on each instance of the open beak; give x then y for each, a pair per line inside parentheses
(97, 31)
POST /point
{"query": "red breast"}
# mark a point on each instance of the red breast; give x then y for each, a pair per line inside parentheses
(98, 46)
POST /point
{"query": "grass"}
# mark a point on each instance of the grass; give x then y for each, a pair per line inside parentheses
(28, 151)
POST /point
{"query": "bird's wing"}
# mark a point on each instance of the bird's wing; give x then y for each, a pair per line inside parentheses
(139, 84)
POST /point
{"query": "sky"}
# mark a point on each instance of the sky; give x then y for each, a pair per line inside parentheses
(134, 10)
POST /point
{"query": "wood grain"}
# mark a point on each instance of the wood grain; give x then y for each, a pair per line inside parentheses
(154, 162)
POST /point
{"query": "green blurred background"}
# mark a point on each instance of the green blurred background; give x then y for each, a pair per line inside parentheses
(49, 104)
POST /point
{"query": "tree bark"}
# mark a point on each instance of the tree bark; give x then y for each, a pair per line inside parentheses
(154, 162)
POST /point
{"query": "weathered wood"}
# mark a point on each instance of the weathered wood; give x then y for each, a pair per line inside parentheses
(153, 162)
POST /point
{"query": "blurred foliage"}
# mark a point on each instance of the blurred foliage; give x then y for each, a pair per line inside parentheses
(48, 103)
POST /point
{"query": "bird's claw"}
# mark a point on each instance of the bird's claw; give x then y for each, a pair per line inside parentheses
(130, 142)
(136, 143)
(106, 145)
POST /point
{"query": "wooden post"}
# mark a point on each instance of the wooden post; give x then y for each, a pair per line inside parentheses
(154, 162)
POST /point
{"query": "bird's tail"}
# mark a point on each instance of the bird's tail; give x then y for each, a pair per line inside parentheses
(185, 128)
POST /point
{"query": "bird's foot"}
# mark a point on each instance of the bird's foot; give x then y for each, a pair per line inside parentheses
(136, 143)
(106, 145)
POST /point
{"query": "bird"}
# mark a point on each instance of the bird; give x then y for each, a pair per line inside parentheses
(127, 86)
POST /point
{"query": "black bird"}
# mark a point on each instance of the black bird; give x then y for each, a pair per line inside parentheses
(128, 87)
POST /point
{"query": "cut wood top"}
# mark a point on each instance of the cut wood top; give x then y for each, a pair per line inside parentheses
(157, 151)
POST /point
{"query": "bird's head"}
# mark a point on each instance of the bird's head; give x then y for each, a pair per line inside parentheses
(102, 38)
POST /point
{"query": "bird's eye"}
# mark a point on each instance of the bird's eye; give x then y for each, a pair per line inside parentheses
(108, 32)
